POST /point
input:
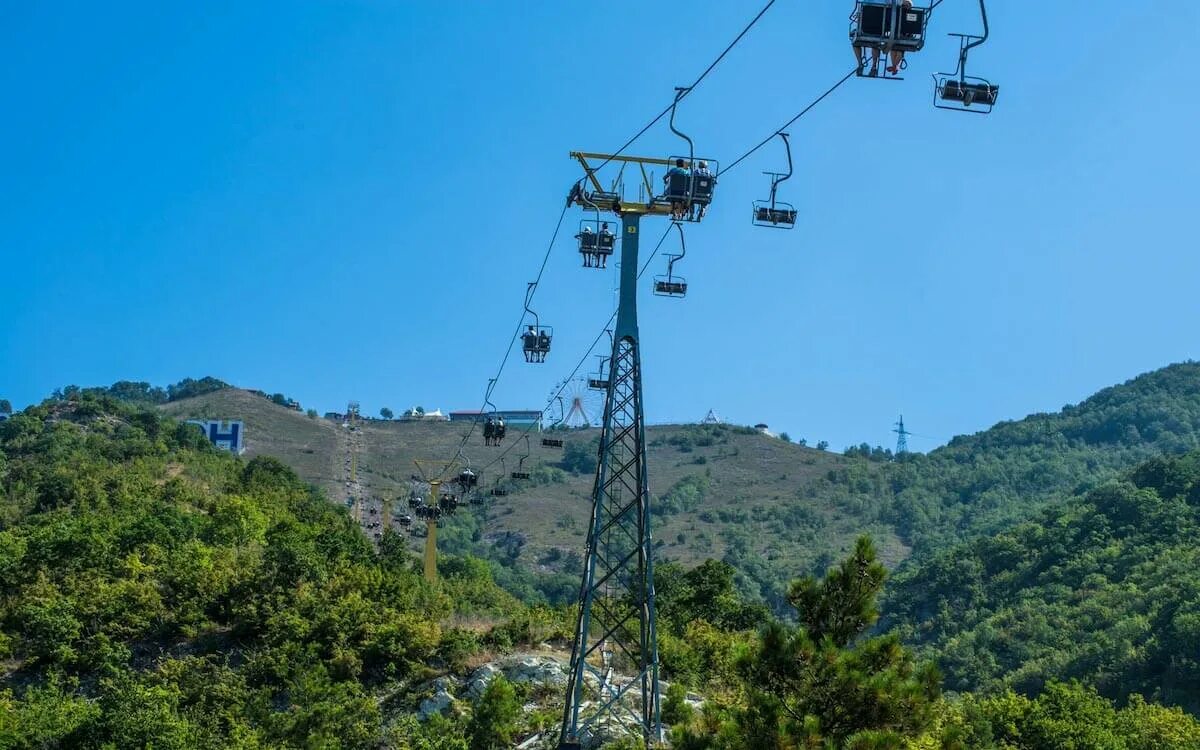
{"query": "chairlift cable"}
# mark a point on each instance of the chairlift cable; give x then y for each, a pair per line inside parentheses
(511, 342)
(516, 334)
(688, 89)
(583, 360)
(789, 123)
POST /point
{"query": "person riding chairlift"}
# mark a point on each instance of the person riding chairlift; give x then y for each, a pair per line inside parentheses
(529, 344)
(897, 56)
(604, 244)
(587, 244)
(677, 207)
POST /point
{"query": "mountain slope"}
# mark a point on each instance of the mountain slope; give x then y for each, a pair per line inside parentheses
(772, 509)
(1103, 588)
(983, 482)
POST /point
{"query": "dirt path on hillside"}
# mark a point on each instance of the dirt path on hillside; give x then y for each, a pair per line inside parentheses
(364, 508)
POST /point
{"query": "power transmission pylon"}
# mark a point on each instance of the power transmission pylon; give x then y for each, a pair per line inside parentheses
(901, 437)
(616, 642)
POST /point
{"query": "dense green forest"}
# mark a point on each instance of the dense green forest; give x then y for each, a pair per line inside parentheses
(984, 482)
(1104, 588)
(158, 593)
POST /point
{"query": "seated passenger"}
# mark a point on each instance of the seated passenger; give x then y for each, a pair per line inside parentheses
(543, 345)
(898, 54)
(858, 50)
(530, 343)
(587, 243)
(677, 206)
(607, 242)
(702, 171)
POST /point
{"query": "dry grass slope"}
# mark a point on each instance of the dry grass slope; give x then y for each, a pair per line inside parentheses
(757, 486)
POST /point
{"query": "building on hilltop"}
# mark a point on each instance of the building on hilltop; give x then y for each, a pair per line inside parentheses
(418, 414)
(512, 417)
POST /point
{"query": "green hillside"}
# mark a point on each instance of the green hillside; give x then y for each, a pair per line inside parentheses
(770, 508)
(158, 593)
(1104, 588)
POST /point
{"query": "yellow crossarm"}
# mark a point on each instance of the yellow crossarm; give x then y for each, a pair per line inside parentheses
(649, 208)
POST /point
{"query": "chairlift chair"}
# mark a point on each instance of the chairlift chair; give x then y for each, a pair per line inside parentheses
(596, 239)
(688, 190)
(535, 342)
(772, 213)
(467, 480)
(600, 382)
(520, 472)
(552, 442)
(888, 27)
(960, 92)
(493, 429)
(672, 285)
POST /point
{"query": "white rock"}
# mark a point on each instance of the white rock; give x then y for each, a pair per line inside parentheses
(435, 704)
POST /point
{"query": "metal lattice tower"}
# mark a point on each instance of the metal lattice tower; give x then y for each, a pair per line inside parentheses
(614, 661)
(901, 437)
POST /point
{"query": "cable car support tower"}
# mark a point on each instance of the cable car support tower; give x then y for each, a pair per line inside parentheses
(615, 651)
(616, 598)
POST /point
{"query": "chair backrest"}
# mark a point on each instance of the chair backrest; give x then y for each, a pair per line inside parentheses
(678, 183)
(703, 188)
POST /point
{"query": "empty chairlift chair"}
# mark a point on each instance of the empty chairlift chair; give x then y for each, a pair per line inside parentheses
(672, 285)
(774, 213)
(960, 92)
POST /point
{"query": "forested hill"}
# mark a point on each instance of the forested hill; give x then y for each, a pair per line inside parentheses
(770, 509)
(1104, 588)
(157, 592)
(985, 482)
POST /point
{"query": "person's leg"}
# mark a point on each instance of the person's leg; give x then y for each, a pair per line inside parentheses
(859, 57)
(874, 61)
(897, 58)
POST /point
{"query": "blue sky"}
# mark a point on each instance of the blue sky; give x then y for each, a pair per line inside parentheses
(345, 200)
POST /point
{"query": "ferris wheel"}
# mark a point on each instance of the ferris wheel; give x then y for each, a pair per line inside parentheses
(573, 404)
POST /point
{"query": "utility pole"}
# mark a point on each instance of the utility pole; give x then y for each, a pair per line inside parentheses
(901, 437)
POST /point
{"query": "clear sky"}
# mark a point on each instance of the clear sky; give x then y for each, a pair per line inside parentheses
(345, 200)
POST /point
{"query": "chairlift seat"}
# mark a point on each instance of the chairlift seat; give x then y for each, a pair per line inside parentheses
(587, 241)
(702, 194)
(781, 216)
(552, 443)
(597, 384)
(499, 492)
(874, 27)
(670, 287)
(969, 92)
(520, 475)
(678, 186)
(606, 244)
(603, 198)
